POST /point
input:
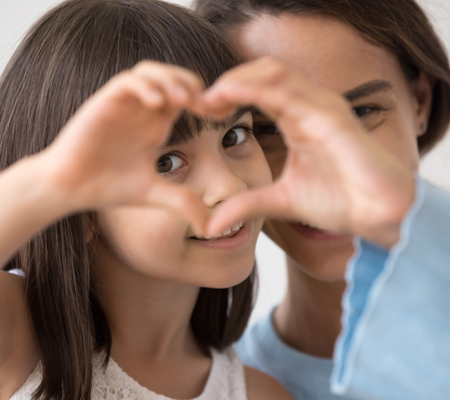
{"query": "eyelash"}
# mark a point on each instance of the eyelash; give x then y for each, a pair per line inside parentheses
(372, 108)
(172, 153)
(246, 128)
(243, 126)
(257, 129)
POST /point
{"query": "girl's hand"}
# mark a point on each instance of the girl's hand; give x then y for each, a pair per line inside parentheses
(106, 155)
(335, 178)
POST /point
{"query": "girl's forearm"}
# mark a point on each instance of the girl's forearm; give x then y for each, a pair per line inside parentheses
(29, 201)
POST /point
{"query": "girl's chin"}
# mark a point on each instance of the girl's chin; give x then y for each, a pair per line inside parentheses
(227, 277)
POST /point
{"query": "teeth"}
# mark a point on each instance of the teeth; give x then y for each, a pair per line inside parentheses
(313, 227)
(226, 232)
(236, 228)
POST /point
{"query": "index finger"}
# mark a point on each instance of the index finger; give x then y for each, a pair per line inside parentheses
(179, 85)
(267, 201)
(185, 203)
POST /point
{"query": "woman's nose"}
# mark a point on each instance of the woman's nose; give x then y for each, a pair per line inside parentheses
(220, 183)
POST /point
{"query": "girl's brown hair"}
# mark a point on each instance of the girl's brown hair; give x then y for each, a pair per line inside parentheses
(398, 25)
(71, 52)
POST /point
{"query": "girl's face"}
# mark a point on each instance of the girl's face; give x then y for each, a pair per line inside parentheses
(332, 54)
(216, 164)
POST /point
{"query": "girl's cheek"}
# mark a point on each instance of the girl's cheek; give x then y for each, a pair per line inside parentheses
(243, 152)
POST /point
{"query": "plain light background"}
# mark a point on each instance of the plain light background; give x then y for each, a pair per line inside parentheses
(16, 16)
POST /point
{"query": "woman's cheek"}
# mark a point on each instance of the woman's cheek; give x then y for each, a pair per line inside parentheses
(276, 160)
(265, 176)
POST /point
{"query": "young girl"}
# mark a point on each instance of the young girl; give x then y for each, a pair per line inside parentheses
(105, 221)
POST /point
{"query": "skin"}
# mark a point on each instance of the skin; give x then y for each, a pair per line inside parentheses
(148, 268)
(362, 172)
(322, 56)
(159, 243)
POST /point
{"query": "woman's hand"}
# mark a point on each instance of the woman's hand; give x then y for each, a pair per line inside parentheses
(106, 155)
(336, 177)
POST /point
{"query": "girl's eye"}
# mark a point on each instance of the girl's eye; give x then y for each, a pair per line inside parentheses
(235, 136)
(169, 163)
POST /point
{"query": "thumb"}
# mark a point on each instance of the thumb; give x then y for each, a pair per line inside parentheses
(266, 201)
(185, 203)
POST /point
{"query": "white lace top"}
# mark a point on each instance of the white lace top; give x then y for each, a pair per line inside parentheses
(226, 381)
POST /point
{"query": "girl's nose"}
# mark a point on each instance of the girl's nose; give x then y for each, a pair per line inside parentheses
(221, 182)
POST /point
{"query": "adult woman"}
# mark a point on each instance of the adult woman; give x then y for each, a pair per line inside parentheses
(386, 60)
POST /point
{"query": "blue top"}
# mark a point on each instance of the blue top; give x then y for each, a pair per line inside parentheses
(305, 376)
(395, 342)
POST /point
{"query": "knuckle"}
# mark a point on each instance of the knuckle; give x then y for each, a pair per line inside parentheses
(144, 66)
(276, 68)
(121, 79)
(292, 115)
(141, 65)
(268, 60)
(288, 100)
(125, 75)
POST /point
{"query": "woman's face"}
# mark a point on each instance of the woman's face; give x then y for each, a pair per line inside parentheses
(216, 164)
(332, 54)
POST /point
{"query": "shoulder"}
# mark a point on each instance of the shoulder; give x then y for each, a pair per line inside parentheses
(258, 334)
(18, 353)
(260, 343)
(263, 387)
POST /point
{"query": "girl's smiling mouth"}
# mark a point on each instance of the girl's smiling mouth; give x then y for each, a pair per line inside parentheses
(231, 238)
(230, 232)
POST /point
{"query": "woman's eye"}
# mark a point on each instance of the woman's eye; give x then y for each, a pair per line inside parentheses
(169, 163)
(235, 136)
(265, 129)
(362, 112)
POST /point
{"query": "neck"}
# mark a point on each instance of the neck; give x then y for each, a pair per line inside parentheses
(308, 319)
(149, 318)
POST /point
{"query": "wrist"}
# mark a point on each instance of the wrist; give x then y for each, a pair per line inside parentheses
(385, 237)
(386, 231)
(29, 203)
(37, 188)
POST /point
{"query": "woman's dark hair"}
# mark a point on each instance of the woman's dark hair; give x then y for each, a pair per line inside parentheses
(69, 53)
(401, 26)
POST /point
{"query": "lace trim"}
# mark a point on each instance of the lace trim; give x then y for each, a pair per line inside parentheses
(226, 381)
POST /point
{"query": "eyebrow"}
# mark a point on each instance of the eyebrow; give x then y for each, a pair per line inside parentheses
(227, 122)
(209, 124)
(366, 89)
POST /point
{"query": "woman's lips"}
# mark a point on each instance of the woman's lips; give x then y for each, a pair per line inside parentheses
(316, 234)
(230, 241)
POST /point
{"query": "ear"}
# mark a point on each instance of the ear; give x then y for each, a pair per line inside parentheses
(422, 90)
